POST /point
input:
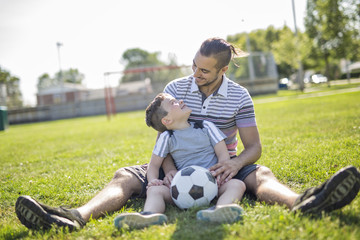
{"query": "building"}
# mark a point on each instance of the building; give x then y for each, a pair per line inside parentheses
(70, 93)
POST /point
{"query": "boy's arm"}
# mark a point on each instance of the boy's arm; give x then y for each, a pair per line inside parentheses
(154, 166)
(168, 166)
(169, 170)
(221, 151)
(222, 155)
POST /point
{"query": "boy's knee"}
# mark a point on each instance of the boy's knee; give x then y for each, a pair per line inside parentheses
(238, 184)
(157, 190)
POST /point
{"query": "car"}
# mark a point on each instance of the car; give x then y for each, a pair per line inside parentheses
(285, 83)
(318, 78)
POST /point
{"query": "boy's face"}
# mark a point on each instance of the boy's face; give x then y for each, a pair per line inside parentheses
(176, 109)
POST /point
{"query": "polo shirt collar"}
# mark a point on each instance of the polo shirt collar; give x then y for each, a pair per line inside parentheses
(222, 90)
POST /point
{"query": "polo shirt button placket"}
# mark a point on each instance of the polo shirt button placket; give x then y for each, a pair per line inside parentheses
(205, 106)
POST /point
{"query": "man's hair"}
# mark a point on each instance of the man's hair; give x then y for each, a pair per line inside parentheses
(154, 113)
(221, 50)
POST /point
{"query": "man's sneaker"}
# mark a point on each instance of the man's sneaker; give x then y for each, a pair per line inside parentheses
(333, 194)
(139, 220)
(35, 215)
(221, 214)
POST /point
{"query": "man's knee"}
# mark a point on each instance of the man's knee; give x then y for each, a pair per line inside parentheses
(264, 174)
(258, 177)
(122, 176)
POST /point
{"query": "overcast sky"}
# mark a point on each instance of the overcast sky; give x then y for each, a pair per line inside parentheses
(95, 33)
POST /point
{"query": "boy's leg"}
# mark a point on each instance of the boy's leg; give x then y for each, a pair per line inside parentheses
(156, 196)
(231, 192)
(225, 210)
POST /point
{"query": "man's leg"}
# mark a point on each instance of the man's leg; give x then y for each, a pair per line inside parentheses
(267, 188)
(124, 184)
(336, 192)
(113, 197)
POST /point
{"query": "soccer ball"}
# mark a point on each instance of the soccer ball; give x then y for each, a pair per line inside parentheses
(193, 186)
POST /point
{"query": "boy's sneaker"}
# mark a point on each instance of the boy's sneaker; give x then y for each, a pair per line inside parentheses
(35, 215)
(139, 220)
(222, 214)
(333, 194)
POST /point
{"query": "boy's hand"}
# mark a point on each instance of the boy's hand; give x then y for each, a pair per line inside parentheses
(155, 182)
(169, 177)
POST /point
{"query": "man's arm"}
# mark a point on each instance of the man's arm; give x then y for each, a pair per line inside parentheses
(251, 153)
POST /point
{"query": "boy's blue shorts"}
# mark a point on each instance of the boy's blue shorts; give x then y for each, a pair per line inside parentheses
(140, 172)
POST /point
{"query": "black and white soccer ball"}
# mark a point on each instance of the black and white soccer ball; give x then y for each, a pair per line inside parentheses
(193, 186)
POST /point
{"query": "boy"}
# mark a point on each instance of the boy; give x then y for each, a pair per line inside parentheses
(199, 144)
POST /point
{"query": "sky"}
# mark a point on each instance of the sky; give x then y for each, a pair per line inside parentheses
(95, 33)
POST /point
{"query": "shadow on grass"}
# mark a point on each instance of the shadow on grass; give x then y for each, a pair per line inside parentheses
(347, 218)
(15, 235)
(187, 225)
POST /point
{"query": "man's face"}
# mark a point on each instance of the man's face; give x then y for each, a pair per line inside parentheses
(176, 108)
(205, 72)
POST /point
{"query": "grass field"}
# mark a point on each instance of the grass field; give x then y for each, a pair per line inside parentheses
(66, 162)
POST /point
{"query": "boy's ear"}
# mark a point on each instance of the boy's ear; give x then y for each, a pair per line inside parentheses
(166, 121)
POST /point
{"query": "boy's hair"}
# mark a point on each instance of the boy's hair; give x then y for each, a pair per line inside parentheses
(221, 50)
(154, 113)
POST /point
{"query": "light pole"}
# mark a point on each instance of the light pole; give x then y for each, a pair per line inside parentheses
(300, 72)
(58, 45)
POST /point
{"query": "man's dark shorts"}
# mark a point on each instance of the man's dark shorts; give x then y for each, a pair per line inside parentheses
(140, 172)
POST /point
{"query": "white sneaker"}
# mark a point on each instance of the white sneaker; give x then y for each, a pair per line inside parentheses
(221, 214)
(139, 220)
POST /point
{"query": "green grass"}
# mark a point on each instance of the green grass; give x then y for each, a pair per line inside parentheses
(67, 162)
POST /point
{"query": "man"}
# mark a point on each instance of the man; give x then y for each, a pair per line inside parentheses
(212, 97)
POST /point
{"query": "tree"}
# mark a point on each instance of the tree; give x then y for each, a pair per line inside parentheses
(334, 27)
(67, 76)
(138, 58)
(255, 41)
(70, 76)
(13, 97)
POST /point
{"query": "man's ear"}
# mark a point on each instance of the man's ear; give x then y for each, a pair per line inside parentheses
(224, 69)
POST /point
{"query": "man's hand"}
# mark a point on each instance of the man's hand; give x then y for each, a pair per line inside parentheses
(155, 182)
(224, 171)
(169, 177)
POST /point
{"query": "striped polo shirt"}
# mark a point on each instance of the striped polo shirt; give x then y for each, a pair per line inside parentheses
(229, 108)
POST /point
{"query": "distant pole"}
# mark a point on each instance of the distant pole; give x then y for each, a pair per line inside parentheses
(250, 60)
(58, 45)
(300, 72)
